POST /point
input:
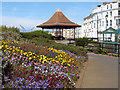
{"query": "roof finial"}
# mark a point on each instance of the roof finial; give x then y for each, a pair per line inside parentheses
(58, 10)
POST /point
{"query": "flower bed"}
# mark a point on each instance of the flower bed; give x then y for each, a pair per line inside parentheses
(32, 66)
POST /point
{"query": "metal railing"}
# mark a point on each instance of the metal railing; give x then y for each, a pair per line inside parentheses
(111, 48)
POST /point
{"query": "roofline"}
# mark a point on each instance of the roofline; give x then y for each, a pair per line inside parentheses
(100, 6)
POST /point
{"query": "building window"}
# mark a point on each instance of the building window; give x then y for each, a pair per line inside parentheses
(106, 22)
(111, 13)
(107, 6)
(110, 22)
(102, 23)
(111, 5)
(94, 25)
(107, 13)
(111, 35)
(118, 4)
(119, 12)
(117, 21)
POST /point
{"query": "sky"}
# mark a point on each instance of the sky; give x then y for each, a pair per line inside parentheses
(31, 14)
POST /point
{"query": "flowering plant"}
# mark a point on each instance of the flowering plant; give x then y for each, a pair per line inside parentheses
(36, 66)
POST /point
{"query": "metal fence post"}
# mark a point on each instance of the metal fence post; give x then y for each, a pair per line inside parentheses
(118, 50)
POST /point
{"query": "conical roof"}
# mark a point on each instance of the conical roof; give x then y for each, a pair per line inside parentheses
(58, 20)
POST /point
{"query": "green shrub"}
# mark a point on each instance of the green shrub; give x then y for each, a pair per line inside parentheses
(36, 34)
(43, 38)
(51, 43)
(96, 52)
(82, 41)
(5, 28)
(104, 52)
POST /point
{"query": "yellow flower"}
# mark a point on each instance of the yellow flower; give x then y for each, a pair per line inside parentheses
(27, 55)
(56, 57)
(30, 52)
(72, 61)
(45, 60)
(0, 47)
(57, 61)
(40, 59)
(13, 51)
(10, 48)
(18, 50)
(34, 57)
(68, 64)
(30, 58)
(6, 46)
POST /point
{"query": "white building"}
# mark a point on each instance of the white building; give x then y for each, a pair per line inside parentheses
(69, 33)
(101, 18)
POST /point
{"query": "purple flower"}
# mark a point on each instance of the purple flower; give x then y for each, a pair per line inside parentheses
(3, 86)
(31, 77)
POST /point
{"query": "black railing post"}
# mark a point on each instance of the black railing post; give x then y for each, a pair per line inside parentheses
(118, 50)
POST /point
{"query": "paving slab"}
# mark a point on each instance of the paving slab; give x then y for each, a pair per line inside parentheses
(102, 72)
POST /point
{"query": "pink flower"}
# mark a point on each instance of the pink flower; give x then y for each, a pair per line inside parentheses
(13, 57)
(42, 65)
(36, 63)
(67, 69)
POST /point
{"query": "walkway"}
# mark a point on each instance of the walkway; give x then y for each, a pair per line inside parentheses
(64, 41)
(102, 72)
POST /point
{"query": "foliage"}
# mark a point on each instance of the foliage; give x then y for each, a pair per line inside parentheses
(104, 52)
(33, 68)
(10, 35)
(13, 29)
(51, 43)
(35, 61)
(82, 41)
(101, 51)
(37, 34)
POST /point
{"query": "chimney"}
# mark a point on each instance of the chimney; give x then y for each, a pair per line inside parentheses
(98, 5)
(104, 3)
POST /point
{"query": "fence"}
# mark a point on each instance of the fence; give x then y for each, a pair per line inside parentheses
(113, 49)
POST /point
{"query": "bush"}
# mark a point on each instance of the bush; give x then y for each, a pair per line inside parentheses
(51, 43)
(37, 33)
(14, 29)
(10, 35)
(104, 52)
(82, 41)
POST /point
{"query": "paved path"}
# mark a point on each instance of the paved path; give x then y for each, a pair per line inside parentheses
(64, 41)
(102, 72)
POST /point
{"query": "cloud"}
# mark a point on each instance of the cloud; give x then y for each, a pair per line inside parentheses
(27, 23)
